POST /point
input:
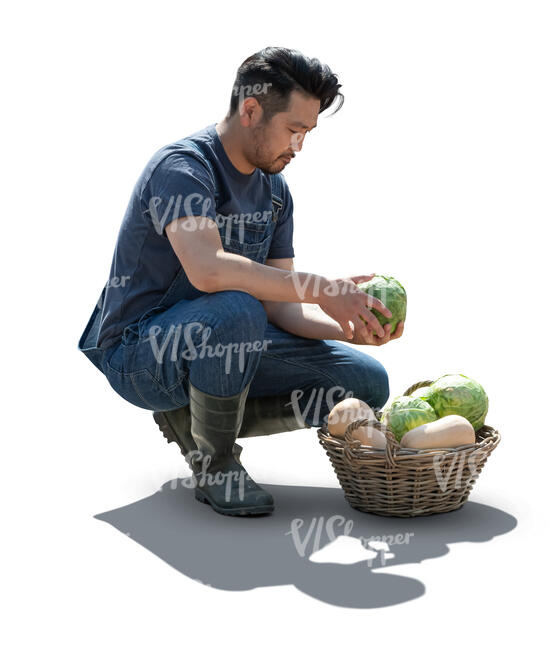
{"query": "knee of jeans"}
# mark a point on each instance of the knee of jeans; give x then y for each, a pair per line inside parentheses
(374, 391)
(379, 389)
(244, 311)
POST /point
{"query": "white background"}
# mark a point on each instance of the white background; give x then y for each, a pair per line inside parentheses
(440, 170)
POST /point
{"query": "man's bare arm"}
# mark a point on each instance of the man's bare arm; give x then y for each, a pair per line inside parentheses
(196, 241)
(197, 244)
(307, 320)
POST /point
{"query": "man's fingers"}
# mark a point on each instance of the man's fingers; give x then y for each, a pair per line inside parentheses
(387, 336)
(373, 324)
(364, 331)
(399, 330)
(346, 329)
(375, 303)
(362, 278)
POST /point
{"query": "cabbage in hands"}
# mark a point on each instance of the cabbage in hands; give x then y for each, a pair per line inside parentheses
(391, 293)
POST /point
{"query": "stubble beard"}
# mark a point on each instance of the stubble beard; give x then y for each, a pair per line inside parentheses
(261, 155)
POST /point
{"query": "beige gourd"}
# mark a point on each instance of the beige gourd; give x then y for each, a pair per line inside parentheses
(449, 431)
(345, 412)
(370, 437)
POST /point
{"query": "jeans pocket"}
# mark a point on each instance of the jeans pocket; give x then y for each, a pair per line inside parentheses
(143, 324)
(141, 389)
(150, 392)
(179, 392)
(139, 330)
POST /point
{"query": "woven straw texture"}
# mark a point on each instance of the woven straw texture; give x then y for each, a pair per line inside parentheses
(403, 482)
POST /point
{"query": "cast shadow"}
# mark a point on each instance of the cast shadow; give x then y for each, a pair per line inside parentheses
(240, 553)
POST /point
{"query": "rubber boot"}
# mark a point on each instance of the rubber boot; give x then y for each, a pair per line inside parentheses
(270, 414)
(176, 427)
(263, 416)
(222, 481)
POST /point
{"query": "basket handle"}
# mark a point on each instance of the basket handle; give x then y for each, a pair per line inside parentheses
(392, 443)
(418, 384)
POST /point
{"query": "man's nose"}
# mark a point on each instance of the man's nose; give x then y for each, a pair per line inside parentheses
(297, 141)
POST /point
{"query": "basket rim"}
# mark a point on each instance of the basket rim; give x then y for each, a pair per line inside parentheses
(405, 480)
(491, 435)
(394, 449)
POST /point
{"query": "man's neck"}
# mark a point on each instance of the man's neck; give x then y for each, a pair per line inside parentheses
(229, 135)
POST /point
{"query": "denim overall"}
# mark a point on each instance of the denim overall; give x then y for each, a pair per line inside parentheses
(251, 239)
(220, 341)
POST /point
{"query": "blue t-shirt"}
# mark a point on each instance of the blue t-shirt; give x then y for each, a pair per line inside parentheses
(180, 181)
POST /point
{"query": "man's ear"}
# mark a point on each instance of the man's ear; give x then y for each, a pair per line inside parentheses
(250, 111)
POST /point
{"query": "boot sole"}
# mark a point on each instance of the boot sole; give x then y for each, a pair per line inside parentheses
(242, 510)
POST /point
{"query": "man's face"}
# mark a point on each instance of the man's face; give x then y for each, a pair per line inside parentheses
(276, 142)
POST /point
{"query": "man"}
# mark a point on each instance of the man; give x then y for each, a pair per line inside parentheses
(204, 319)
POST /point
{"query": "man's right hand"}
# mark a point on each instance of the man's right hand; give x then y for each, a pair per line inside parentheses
(343, 301)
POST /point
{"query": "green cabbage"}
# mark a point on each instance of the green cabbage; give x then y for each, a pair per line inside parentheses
(391, 293)
(407, 412)
(459, 395)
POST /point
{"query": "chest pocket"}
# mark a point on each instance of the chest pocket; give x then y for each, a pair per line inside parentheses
(248, 235)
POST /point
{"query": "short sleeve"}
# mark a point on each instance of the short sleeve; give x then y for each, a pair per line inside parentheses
(180, 186)
(282, 242)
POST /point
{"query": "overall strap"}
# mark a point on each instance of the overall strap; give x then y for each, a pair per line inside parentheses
(277, 187)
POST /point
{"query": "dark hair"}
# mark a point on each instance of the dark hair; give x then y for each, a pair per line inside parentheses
(273, 73)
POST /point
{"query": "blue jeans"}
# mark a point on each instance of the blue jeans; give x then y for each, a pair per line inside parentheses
(222, 341)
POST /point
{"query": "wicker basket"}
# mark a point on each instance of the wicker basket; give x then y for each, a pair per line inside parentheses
(403, 482)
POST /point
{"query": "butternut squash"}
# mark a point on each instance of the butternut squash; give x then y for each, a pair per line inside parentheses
(370, 437)
(449, 431)
(345, 412)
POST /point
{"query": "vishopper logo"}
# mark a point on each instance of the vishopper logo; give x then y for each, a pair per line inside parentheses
(195, 345)
(233, 226)
(250, 90)
(235, 481)
(117, 281)
(172, 210)
(316, 530)
(331, 287)
(315, 400)
(295, 141)
(463, 468)
(383, 544)
(325, 553)
(164, 211)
